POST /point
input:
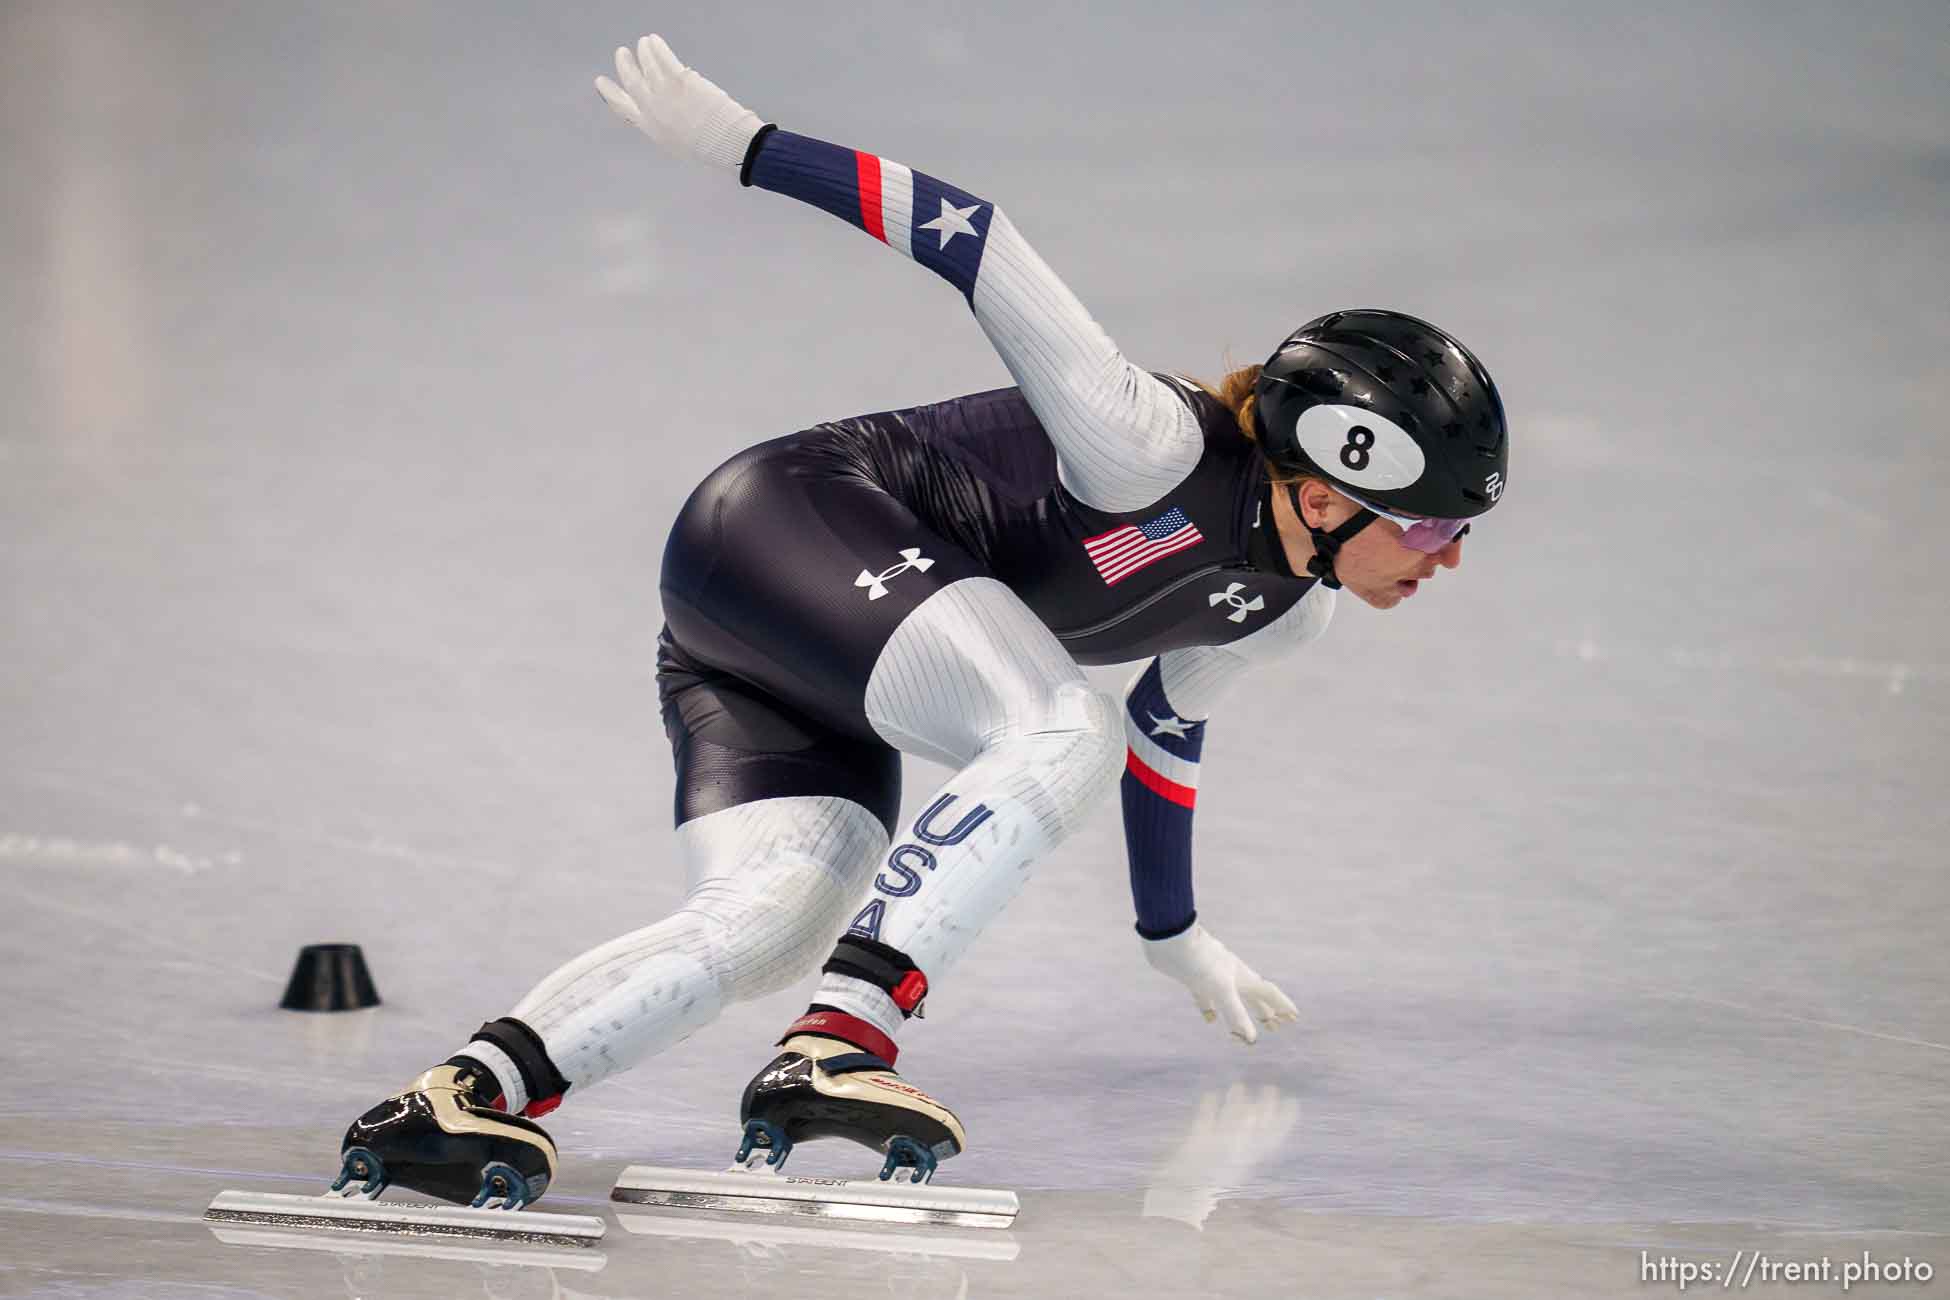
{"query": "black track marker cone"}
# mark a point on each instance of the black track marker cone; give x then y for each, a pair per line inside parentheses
(330, 977)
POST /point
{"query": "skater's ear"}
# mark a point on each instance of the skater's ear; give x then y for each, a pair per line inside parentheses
(1317, 504)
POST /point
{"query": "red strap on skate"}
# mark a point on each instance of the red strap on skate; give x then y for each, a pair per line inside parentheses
(541, 1106)
(848, 1029)
(908, 993)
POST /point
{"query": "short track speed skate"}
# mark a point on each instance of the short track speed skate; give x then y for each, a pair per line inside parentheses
(824, 1086)
(436, 1138)
(440, 1139)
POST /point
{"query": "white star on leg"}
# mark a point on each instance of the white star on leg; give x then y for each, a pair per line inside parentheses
(1169, 725)
(952, 221)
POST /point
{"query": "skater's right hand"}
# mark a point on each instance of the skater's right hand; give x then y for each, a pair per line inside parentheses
(1221, 984)
(676, 106)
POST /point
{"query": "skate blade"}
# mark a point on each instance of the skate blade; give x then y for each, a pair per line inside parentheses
(739, 1192)
(354, 1214)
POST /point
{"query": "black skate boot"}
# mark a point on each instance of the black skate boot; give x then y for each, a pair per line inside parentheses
(826, 1082)
(443, 1138)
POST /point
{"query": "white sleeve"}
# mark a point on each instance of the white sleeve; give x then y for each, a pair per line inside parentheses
(1124, 438)
(1195, 677)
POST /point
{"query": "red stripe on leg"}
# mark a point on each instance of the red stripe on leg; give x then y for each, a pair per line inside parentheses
(1157, 783)
(869, 169)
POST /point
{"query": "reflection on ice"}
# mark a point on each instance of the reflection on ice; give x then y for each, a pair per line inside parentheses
(361, 1260)
(1230, 1135)
(761, 1233)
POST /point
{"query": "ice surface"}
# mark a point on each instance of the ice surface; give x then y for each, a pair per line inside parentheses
(356, 361)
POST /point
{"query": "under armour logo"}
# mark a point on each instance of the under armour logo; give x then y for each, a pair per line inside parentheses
(1494, 485)
(1240, 605)
(876, 583)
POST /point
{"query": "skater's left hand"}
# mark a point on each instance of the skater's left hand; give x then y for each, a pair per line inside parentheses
(678, 107)
(1221, 984)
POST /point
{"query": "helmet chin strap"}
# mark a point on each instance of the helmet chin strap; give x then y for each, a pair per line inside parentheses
(1327, 545)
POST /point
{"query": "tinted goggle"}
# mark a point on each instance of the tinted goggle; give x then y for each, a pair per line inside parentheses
(1418, 532)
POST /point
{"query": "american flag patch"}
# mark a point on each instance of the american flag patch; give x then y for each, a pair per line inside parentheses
(1129, 547)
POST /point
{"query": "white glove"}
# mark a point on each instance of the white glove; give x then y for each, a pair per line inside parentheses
(1221, 984)
(678, 108)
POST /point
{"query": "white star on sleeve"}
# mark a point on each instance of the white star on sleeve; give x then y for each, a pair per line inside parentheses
(1169, 725)
(952, 221)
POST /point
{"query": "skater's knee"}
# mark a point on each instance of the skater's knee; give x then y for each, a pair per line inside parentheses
(1093, 720)
(1071, 743)
(759, 941)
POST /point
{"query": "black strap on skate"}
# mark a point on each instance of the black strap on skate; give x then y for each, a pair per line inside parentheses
(476, 1080)
(853, 1063)
(883, 966)
(523, 1046)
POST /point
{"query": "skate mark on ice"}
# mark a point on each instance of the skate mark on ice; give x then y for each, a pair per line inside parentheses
(1894, 676)
(154, 1166)
(339, 1086)
(1769, 1013)
(77, 1210)
(168, 943)
(63, 850)
(102, 1162)
(146, 804)
(1857, 513)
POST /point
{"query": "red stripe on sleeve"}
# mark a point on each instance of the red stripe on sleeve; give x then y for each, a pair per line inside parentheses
(869, 167)
(1158, 784)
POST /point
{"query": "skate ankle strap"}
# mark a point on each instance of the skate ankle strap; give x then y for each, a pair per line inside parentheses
(881, 965)
(851, 1030)
(523, 1047)
(853, 1063)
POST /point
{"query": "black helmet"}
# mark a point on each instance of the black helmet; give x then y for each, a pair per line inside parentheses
(1388, 408)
